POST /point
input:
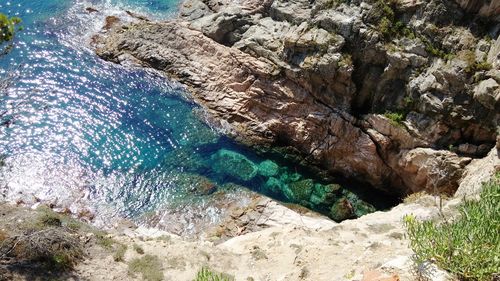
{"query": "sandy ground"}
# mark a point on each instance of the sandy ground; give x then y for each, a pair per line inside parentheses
(302, 248)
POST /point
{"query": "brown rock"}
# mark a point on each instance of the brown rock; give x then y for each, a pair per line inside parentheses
(280, 73)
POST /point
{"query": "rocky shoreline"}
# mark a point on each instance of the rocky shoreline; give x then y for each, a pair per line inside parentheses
(400, 94)
(300, 246)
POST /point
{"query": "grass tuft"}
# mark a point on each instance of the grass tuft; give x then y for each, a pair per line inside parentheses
(473, 65)
(206, 274)
(468, 246)
(120, 251)
(138, 249)
(150, 267)
(396, 118)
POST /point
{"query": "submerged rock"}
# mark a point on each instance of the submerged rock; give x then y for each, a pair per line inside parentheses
(194, 184)
(268, 168)
(185, 158)
(325, 194)
(342, 210)
(300, 191)
(273, 186)
(233, 164)
(196, 132)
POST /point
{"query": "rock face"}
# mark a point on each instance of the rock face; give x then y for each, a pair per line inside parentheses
(400, 95)
(485, 8)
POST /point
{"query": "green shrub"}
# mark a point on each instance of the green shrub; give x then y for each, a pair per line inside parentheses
(435, 51)
(138, 249)
(150, 267)
(468, 246)
(384, 16)
(48, 218)
(104, 240)
(396, 118)
(473, 65)
(205, 274)
(8, 27)
(120, 250)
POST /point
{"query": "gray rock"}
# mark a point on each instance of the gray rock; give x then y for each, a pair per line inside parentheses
(487, 92)
(194, 9)
(293, 11)
(221, 26)
(494, 54)
(338, 22)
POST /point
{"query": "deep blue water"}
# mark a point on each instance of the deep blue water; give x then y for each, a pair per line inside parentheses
(84, 133)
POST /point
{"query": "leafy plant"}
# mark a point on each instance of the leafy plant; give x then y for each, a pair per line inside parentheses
(205, 274)
(383, 14)
(435, 51)
(396, 118)
(7, 31)
(468, 246)
(8, 27)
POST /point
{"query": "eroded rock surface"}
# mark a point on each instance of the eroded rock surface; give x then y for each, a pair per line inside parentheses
(400, 95)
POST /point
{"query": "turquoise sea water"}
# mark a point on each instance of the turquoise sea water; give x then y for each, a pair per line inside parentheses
(83, 133)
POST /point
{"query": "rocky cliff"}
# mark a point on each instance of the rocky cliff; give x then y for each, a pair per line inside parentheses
(400, 94)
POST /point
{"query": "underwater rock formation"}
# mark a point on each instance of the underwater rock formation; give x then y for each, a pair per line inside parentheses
(401, 95)
(234, 164)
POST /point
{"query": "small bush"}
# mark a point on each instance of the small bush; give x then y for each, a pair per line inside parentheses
(52, 247)
(435, 51)
(148, 266)
(346, 61)
(104, 240)
(468, 246)
(120, 251)
(473, 65)
(395, 118)
(8, 27)
(205, 274)
(383, 14)
(138, 249)
(49, 218)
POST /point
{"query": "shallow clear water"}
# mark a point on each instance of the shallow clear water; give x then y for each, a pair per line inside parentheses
(86, 134)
